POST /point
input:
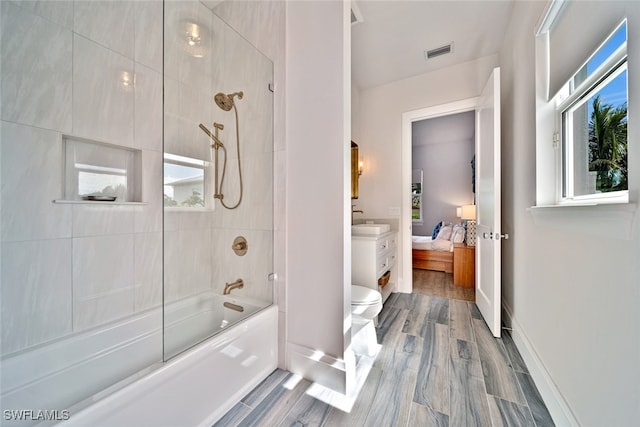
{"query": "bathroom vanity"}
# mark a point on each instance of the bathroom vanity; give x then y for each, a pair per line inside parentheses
(373, 255)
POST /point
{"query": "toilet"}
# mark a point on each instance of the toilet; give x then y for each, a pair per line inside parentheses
(366, 303)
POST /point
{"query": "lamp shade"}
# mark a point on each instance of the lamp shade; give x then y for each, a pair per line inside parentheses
(468, 212)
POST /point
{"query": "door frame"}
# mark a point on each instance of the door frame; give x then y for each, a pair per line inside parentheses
(469, 104)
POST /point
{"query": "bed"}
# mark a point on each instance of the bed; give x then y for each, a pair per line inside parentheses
(436, 254)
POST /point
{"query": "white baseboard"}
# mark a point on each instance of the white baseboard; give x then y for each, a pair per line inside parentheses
(553, 399)
(320, 368)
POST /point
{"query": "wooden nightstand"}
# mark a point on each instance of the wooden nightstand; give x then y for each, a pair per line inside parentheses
(464, 265)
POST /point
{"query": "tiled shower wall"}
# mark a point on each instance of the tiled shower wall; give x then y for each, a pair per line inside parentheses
(262, 23)
(198, 254)
(67, 268)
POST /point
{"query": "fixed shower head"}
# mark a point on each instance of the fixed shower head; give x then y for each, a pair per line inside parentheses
(226, 101)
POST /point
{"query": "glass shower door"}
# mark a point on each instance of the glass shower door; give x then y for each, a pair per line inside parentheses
(218, 176)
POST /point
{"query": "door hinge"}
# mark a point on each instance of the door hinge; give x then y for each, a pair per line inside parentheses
(556, 139)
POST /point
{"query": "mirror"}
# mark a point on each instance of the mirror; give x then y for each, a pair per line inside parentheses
(355, 173)
(416, 195)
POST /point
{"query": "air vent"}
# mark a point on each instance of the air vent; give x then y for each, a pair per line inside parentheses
(356, 16)
(439, 51)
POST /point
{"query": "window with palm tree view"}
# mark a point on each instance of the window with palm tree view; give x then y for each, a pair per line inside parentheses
(593, 112)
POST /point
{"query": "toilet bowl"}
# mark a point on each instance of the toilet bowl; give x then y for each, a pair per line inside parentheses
(366, 303)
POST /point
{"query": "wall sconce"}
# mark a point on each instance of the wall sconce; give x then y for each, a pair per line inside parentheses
(360, 163)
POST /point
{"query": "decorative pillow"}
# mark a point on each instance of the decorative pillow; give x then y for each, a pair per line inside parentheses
(436, 230)
(444, 233)
(457, 235)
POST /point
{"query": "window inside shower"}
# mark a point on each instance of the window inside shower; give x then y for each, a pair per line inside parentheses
(184, 182)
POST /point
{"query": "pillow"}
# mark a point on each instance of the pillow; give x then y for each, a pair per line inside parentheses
(436, 230)
(457, 235)
(444, 233)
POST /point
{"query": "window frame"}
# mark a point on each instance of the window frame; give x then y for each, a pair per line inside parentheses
(194, 163)
(569, 99)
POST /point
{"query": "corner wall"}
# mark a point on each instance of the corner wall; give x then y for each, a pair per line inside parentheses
(573, 298)
(318, 179)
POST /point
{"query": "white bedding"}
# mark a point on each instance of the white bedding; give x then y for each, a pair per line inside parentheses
(427, 243)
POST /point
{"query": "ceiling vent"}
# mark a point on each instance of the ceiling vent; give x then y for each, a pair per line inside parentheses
(439, 51)
(356, 16)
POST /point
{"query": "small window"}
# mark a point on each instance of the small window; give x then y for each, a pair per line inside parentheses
(416, 196)
(184, 182)
(592, 112)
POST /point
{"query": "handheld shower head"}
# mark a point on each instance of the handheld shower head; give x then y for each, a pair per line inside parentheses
(225, 102)
(216, 142)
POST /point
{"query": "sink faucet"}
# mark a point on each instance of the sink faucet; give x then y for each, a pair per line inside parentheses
(354, 210)
(228, 287)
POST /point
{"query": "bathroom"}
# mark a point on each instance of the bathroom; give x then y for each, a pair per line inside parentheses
(126, 85)
(99, 293)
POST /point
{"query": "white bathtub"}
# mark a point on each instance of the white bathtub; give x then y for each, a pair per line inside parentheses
(195, 388)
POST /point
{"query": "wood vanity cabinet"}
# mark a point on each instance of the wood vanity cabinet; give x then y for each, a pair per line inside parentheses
(371, 258)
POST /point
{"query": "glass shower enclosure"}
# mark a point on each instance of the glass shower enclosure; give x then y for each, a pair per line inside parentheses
(115, 255)
(218, 169)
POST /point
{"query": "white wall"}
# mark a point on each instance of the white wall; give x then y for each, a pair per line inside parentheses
(573, 297)
(381, 111)
(355, 113)
(318, 179)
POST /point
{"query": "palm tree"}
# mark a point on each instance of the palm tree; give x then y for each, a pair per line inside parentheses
(608, 146)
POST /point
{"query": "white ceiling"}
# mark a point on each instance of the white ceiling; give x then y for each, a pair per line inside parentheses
(389, 43)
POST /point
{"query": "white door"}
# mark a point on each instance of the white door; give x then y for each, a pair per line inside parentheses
(489, 237)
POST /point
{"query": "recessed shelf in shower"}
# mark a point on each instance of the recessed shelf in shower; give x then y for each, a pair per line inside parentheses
(97, 172)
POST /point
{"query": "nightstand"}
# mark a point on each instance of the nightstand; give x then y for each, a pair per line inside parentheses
(464, 265)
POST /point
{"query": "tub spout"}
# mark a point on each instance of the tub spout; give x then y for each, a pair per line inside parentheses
(230, 286)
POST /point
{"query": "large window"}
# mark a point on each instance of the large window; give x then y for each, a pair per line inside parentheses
(592, 125)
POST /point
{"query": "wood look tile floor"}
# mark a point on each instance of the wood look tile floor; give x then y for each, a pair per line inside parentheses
(438, 283)
(439, 366)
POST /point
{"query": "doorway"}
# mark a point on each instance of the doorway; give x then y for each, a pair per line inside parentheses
(443, 150)
(444, 113)
(488, 201)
